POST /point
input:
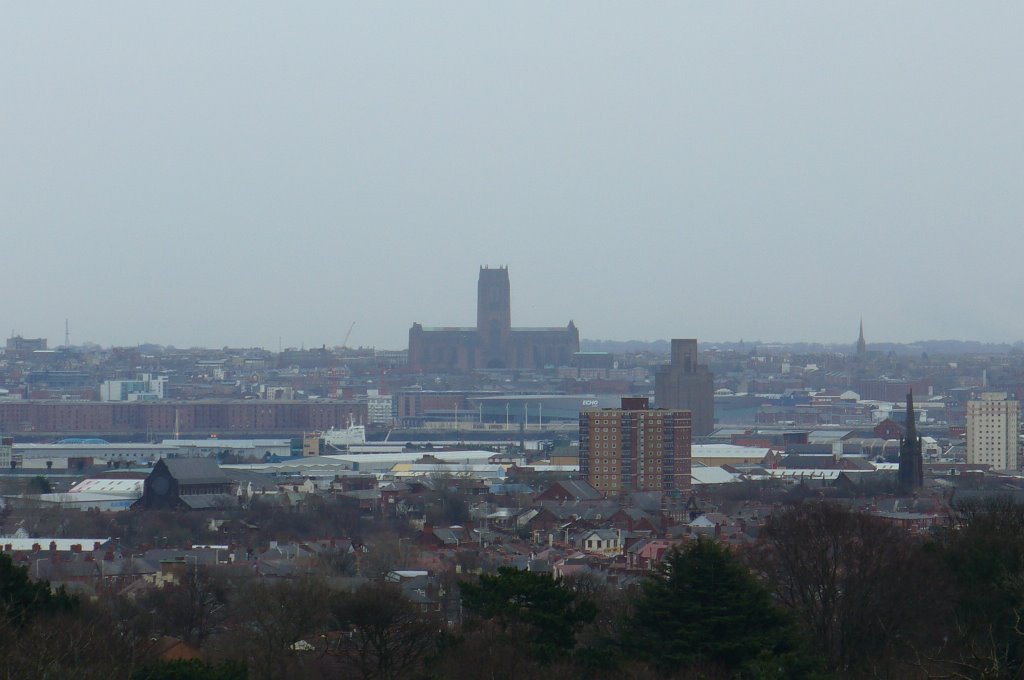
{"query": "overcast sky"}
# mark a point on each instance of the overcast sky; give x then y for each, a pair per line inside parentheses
(197, 173)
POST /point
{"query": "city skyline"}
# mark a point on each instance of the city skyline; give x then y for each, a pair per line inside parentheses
(253, 175)
(55, 342)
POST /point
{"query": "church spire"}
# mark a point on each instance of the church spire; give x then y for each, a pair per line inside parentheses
(911, 472)
(911, 420)
(862, 346)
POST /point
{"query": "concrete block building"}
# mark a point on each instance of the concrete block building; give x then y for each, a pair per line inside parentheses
(636, 448)
(993, 431)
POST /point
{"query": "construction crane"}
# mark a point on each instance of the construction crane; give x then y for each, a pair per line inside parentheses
(332, 374)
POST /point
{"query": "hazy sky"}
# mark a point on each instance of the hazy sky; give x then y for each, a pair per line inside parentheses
(218, 173)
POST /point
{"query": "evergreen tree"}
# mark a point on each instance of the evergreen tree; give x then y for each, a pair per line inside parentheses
(551, 613)
(38, 485)
(705, 610)
(21, 598)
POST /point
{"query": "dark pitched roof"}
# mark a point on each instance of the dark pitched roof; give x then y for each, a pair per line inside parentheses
(576, 489)
(649, 501)
(207, 501)
(195, 470)
(260, 481)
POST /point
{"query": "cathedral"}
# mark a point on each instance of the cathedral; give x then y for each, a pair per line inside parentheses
(493, 343)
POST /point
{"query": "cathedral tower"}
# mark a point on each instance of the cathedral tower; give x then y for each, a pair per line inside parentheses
(494, 316)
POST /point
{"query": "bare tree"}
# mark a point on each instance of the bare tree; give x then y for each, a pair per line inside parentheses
(866, 591)
(272, 618)
(77, 644)
(384, 635)
(192, 608)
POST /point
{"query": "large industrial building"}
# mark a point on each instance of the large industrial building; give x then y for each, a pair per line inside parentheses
(224, 418)
(493, 343)
(79, 453)
(635, 448)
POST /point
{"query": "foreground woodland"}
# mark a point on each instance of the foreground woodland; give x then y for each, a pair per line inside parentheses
(824, 592)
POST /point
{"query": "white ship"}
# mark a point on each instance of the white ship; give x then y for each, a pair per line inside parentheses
(342, 438)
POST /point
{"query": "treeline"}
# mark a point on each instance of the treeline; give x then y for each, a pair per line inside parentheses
(825, 592)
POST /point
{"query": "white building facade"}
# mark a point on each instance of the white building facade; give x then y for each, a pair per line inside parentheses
(379, 408)
(145, 387)
(993, 428)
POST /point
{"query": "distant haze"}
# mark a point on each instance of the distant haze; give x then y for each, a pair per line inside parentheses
(243, 173)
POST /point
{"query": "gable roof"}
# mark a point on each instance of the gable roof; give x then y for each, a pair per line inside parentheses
(195, 470)
(578, 489)
(209, 501)
(603, 534)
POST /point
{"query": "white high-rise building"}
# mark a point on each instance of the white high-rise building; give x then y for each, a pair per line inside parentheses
(993, 431)
(144, 388)
(379, 409)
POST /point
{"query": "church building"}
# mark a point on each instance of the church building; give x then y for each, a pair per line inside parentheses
(493, 343)
(910, 477)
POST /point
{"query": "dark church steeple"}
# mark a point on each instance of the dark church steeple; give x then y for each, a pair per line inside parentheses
(910, 478)
(862, 347)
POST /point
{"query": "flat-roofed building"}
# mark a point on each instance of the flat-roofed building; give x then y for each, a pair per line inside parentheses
(713, 455)
(636, 448)
(993, 431)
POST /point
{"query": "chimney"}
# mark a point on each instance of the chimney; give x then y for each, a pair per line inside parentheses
(108, 556)
(95, 545)
(76, 548)
(36, 547)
